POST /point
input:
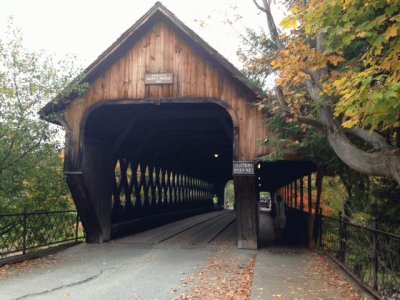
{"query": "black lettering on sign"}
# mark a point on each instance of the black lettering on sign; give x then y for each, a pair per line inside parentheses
(243, 168)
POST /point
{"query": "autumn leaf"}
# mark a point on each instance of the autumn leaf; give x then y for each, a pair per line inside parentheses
(289, 22)
(335, 59)
(362, 34)
(391, 31)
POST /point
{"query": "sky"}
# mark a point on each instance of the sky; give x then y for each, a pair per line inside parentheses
(86, 28)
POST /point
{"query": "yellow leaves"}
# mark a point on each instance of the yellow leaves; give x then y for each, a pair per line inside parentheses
(350, 123)
(295, 9)
(335, 59)
(296, 58)
(392, 31)
(361, 34)
(289, 22)
(280, 81)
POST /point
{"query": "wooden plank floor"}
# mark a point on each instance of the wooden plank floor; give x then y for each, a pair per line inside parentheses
(198, 231)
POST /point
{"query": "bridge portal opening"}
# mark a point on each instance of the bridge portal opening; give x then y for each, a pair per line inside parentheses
(156, 159)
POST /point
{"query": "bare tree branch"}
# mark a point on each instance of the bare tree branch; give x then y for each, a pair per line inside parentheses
(259, 6)
(23, 154)
(271, 25)
(273, 31)
(281, 99)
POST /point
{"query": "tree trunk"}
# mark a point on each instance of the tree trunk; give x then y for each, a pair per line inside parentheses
(318, 185)
(385, 162)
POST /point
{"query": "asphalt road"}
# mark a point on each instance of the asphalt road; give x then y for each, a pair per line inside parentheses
(153, 264)
(148, 265)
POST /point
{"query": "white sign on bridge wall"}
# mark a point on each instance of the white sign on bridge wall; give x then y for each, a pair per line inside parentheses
(158, 78)
(243, 168)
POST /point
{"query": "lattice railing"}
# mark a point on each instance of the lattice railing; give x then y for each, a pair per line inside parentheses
(142, 190)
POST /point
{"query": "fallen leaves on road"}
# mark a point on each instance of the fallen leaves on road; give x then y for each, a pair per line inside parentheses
(331, 277)
(10, 270)
(226, 276)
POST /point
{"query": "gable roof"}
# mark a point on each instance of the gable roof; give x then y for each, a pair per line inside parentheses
(126, 41)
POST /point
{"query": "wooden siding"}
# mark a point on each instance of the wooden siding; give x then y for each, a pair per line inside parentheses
(162, 50)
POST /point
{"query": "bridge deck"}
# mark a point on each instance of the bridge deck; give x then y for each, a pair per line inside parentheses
(196, 256)
(197, 231)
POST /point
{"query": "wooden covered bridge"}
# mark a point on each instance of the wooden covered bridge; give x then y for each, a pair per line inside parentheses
(155, 134)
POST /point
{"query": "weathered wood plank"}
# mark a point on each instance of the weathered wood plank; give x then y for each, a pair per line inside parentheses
(246, 211)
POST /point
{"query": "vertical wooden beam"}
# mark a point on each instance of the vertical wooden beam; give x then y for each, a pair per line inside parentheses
(291, 194)
(302, 194)
(87, 214)
(295, 193)
(287, 194)
(246, 211)
(97, 188)
(284, 195)
(318, 184)
(311, 242)
(309, 193)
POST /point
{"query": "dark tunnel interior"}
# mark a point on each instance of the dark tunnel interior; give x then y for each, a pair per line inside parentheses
(195, 139)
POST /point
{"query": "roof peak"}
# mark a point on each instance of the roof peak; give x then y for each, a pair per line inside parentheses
(158, 4)
(128, 38)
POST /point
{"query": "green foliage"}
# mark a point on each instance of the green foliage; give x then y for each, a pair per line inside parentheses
(30, 154)
(229, 195)
(385, 203)
(252, 52)
(334, 195)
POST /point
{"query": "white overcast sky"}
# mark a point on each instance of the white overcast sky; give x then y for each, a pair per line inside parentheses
(87, 27)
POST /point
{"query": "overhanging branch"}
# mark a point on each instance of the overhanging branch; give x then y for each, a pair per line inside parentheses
(281, 99)
(372, 138)
(273, 31)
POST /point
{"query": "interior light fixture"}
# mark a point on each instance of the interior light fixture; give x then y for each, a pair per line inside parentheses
(216, 155)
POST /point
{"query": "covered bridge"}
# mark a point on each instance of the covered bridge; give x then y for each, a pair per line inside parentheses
(155, 134)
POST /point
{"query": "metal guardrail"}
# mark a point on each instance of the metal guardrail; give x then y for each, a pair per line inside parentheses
(23, 232)
(372, 255)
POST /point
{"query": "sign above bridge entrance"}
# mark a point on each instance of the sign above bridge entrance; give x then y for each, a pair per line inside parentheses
(158, 78)
(243, 168)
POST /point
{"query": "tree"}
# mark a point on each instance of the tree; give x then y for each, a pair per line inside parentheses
(30, 154)
(338, 69)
